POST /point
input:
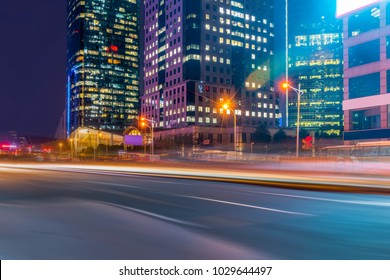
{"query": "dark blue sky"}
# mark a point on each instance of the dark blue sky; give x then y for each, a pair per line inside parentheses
(33, 51)
(32, 72)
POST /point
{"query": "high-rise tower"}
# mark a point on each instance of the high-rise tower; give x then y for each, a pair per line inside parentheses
(316, 63)
(102, 64)
(201, 51)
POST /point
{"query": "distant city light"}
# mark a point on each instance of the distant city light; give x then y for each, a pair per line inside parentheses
(346, 6)
(8, 146)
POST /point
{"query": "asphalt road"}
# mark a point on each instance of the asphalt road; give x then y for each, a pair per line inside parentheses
(76, 215)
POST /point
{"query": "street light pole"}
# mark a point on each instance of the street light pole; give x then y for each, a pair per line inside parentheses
(152, 138)
(227, 108)
(94, 148)
(152, 133)
(235, 132)
(298, 119)
(145, 142)
(299, 92)
(286, 25)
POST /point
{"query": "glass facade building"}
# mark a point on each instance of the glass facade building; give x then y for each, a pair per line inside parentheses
(102, 64)
(367, 73)
(316, 62)
(199, 52)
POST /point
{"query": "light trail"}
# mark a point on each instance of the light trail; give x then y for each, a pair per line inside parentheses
(308, 177)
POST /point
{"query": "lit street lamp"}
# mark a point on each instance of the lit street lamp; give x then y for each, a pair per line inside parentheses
(226, 107)
(151, 121)
(298, 91)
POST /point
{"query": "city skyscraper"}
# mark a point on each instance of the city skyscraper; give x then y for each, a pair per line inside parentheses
(366, 102)
(102, 64)
(316, 63)
(200, 52)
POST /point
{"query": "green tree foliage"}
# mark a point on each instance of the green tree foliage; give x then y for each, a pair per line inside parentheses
(280, 136)
(262, 134)
(303, 133)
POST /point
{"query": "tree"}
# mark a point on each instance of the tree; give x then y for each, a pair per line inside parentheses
(303, 133)
(280, 136)
(262, 134)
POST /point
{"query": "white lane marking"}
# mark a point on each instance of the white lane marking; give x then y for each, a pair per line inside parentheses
(247, 205)
(112, 184)
(360, 202)
(161, 217)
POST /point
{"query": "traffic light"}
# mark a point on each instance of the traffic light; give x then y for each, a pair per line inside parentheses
(307, 143)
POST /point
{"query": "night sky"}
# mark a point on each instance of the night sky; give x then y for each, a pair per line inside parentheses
(32, 72)
(33, 64)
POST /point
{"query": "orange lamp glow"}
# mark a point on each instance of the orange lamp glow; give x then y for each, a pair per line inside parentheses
(285, 85)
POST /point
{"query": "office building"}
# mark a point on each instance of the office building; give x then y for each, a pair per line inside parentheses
(316, 63)
(202, 53)
(366, 105)
(102, 64)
